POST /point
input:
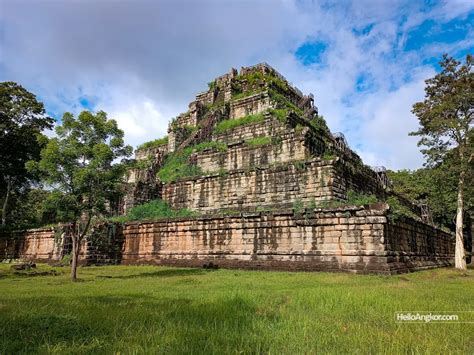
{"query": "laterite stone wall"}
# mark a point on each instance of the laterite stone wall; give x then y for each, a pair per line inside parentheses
(354, 239)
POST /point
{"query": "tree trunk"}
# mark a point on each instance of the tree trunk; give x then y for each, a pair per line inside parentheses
(77, 237)
(459, 257)
(75, 255)
(5, 203)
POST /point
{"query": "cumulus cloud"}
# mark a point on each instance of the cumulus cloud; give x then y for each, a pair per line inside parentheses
(143, 61)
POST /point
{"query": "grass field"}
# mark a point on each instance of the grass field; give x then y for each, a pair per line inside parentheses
(146, 309)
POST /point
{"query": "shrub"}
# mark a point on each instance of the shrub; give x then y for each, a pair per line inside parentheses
(281, 114)
(358, 198)
(153, 144)
(398, 210)
(241, 95)
(320, 125)
(212, 85)
(259, 141)
(220, 146)
(177, 164)
(233, 123)
(328, 155)
(283, 102)
(156, 209)
(298, 206)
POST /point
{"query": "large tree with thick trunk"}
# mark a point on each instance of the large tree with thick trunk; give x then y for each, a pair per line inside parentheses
(446, 124)
(82, 165)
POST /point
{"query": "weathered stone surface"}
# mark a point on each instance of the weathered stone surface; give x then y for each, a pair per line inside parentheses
(260, 241)
(282, 160)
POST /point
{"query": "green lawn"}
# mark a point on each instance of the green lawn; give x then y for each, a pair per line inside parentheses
(146, 309)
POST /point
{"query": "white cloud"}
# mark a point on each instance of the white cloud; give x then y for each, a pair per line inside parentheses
(388, 120)
(144, 61)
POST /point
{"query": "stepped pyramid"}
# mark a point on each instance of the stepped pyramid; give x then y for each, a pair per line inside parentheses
(273, 188)
(252, 141)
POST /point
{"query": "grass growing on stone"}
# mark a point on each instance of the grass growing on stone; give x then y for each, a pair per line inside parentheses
(145, 309)
(227, 125)
(153, 210)
(177, 165)
(154, 143)
(259, 141)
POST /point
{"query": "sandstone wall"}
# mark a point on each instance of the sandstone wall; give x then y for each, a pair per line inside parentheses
(358, 178)
(35, 244)
(337, 240)
(250, 105)
(288, 147)
(356, 239)
(353, 239)
(305, 182)
(416, 245)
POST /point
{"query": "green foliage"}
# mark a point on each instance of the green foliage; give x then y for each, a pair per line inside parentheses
(436, 186)
(212, 85)
(447, 124)
(446, 118)
(283, 102)
(299, 128)
(66, 260)
(153, 210)
(259, 141)
(185, 130)
(359, 198)
(281, 114)
(177, 166)
(328, 156)
(354, 198)
(81, 162)
(141, 163)
(153, 144)
(22, 119)
(320, 125)
(28, 209)
(298, 206)
(257, 81)
(227, 125)
(277, 141)
(300, 165)
(219, 146)
(397, 209)
(222, 172)
(241, 95)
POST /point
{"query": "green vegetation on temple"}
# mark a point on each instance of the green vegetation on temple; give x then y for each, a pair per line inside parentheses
(259, 141)
(230, 124)
(151, 211)
(154, 143)
(177, 165)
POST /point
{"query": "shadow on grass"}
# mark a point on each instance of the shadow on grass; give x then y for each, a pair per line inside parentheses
(158, 273)
(133, 322)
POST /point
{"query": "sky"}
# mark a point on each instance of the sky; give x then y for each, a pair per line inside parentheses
(143, 61)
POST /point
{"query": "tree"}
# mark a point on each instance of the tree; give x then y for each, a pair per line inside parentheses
(446, 123)
(22, 119)
(82, 165)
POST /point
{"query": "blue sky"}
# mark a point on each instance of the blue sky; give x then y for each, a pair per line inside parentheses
(143, 61)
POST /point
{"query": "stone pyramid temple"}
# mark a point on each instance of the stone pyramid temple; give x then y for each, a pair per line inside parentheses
(252, 141)
(269, 187)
